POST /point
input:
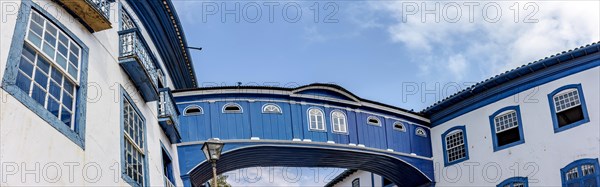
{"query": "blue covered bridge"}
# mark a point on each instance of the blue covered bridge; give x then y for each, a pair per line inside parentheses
(318, 125)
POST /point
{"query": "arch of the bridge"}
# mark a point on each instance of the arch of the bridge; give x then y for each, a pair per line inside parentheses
(403, 170)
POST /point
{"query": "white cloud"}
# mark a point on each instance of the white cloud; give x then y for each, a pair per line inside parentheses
(484, 47)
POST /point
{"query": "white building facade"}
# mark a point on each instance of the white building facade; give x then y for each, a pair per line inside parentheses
(83, 86)
(536, 125)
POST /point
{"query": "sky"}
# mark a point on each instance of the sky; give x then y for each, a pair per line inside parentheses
(408, 54)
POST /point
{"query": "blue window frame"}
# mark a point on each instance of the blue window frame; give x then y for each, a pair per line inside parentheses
(454, 143)
(583, 172)
(567, 107)
(514, 182)
(133, 143)
(506, 127)
(167, 162)
(47, 71)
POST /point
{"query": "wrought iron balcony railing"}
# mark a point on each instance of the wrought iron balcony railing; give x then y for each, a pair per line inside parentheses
(168, 115)
(139, 64)
(94, 13)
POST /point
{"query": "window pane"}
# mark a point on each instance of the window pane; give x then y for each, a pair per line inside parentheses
(43, 64)
(38, 95)
(23, 82)
(41, 78)
(53, 107)
(26, 67)
(65, 116)
(54, 89)
(35, 40)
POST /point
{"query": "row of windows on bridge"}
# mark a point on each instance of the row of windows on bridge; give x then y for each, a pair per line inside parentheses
(316, 118)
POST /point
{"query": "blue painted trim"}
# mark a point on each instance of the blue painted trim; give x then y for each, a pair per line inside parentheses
(372, 179)
(586, 117)
(77, 135)
(324, 119)
(162, 146)
(515, 87)
(578, 164)
(493, 128)
(232, 112)
(191, 106)
(444, 147)
(512, 180)
(125, 96)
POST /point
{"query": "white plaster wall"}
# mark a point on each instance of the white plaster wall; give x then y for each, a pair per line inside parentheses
(364, 177)
(27, 140)
(544, 152)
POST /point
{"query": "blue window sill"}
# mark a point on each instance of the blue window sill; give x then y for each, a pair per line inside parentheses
(509, 145)
(572, 125)
(129, 180)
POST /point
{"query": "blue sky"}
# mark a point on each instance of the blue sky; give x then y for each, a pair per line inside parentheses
(387, 51)
(374, 48)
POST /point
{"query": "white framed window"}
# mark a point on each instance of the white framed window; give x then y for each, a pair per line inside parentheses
(372, 120)
(232, 108)
(566, 99)
(44, 73)
(399, 126)
(134, 151)
(339, 122)
(588, 169)
(506, 121)
(572, 174)
(271, 109)
(316, 119)
(193, 110)
(455, 146)
(420, 132)
(54, 45)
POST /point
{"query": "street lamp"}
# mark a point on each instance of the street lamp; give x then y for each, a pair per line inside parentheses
(212, 150)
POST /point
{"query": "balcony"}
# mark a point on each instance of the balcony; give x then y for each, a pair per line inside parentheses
(139, 64)
(168, 115)
(94, 13)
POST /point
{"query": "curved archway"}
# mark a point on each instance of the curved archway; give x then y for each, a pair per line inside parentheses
(397, 170)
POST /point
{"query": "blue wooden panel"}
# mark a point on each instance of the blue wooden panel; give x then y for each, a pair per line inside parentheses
(297, 121)
(140, 78)
(419, 144)
(352, 128)
(397, 140)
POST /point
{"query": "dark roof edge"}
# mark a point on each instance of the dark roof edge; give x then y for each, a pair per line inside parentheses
(510, 75)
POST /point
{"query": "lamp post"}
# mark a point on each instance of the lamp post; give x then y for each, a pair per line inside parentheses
(212, 150)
